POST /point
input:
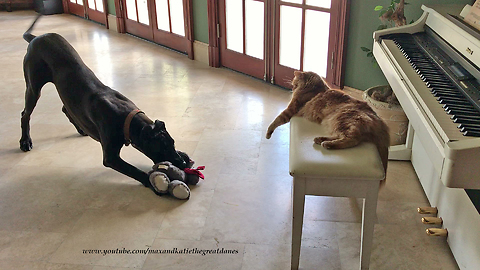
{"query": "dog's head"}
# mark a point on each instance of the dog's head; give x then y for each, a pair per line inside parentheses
(159, 146)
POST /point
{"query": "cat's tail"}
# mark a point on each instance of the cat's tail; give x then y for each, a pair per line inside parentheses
(382, 141)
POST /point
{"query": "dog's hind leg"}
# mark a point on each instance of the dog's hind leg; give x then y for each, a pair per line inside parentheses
(79, 130)
(36, 76)
(31, 97)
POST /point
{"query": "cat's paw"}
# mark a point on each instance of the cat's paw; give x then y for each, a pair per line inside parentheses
(327, 144)
(269, 133)
(320, 140)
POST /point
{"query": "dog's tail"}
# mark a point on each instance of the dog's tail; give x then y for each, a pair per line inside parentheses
(27, 35)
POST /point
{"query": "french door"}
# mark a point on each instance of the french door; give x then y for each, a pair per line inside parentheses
(242, 32)
(270, 39)
(91, 9)
(167, 22)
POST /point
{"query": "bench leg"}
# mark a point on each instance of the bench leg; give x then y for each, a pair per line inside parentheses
(297, 223)
(368, 221)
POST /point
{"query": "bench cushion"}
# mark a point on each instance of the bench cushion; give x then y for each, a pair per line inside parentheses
(312, 160)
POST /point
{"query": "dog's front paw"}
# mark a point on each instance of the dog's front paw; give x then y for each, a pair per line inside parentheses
(26, 144)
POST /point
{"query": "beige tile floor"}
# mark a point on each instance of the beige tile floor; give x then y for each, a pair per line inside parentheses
(58, 199)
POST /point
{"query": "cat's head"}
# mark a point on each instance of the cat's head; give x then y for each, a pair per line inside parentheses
(308, 80)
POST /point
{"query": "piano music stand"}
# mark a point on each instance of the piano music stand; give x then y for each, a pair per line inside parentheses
(353, 172)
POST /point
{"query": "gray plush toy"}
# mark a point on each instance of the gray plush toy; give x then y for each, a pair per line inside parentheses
(167, 178)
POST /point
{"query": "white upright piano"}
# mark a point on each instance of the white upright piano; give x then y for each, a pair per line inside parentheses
(433, 68)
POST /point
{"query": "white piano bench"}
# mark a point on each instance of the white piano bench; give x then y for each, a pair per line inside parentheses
(352, 172)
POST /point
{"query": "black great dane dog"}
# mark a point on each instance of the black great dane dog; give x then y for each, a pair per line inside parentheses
(94, 109)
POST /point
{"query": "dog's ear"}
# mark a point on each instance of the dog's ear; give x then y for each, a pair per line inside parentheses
(150, 131)
(159, 126)
(147, 132)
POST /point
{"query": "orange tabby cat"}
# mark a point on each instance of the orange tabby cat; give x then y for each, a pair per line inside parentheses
(352, 121)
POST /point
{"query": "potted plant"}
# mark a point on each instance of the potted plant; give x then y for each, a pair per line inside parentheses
(382, 98)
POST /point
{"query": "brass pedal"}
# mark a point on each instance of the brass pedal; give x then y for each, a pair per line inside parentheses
(427, 210)
(437, 232)
(432, 220)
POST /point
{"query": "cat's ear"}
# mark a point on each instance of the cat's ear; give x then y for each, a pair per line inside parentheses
(324, 81)
(298, 74)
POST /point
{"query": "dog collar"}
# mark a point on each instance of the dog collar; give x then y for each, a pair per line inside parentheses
(126, 126)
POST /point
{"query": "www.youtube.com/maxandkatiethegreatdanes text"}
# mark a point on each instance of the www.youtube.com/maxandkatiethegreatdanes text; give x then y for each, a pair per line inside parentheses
(173, 251)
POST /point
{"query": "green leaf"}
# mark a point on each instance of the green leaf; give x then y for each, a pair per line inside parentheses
(365, 49)
(370, 54)
(377, 8)
(412, 21)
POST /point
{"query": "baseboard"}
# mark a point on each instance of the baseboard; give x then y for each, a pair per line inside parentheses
(200, 51)
(112, 23)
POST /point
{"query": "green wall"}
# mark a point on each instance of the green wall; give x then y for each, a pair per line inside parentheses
(111, 7)
(200, 20)
(360, 72)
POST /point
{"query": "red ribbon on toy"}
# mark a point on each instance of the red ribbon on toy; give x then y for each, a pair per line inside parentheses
(195, 171)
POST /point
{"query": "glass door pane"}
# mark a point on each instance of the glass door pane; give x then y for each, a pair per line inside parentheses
(320, 3)
(131, 10)
(317, 25)
(143, 12)
(234, 17)
(99, 5)
(176, 17)
(254, 32)
(91, 4)
(162, 15)
(290, 36)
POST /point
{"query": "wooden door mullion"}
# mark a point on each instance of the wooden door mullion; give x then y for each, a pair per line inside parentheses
(302, 36)
(169, 17)
(152, 14)
(304, 5)
(244, 28)
(85, 4)
(266, 40)
(136, 10)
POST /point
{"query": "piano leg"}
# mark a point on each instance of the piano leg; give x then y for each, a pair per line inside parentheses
(402, 151)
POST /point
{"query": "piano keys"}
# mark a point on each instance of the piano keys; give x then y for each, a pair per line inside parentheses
(432, 66)
(444, 78)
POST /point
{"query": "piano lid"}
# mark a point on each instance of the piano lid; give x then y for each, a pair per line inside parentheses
(443, 19)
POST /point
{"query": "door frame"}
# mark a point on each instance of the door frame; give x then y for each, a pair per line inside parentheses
(241, 61)
(185, 44)
(81, 11)
(337, 54)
